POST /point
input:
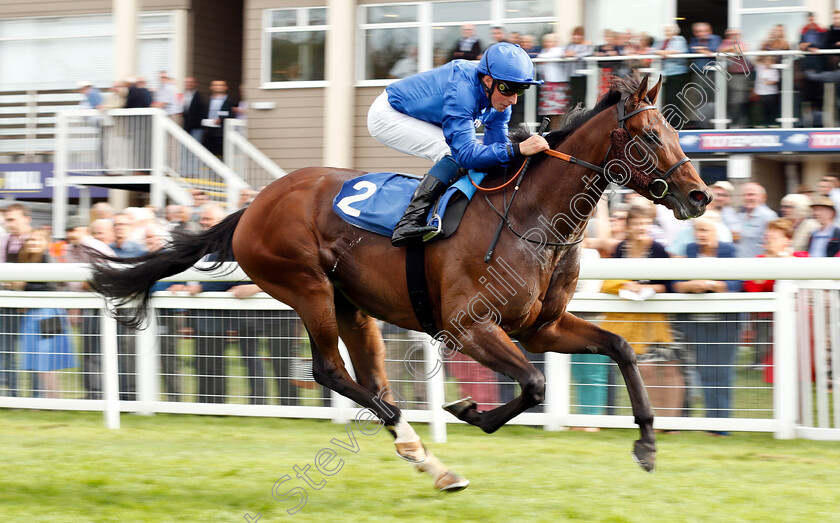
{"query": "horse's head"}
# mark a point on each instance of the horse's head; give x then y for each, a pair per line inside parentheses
(648, 157)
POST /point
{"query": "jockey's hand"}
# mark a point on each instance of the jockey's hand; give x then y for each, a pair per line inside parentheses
(533, 145)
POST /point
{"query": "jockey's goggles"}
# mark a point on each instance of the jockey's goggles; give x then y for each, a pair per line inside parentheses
(511, 88)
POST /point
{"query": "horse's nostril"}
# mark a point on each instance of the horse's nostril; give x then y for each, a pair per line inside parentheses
(699, 197)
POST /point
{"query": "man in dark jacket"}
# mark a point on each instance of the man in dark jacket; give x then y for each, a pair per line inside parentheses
(219, 109)
(195, 109)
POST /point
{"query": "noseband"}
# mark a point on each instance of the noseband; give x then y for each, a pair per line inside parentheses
(619, 139)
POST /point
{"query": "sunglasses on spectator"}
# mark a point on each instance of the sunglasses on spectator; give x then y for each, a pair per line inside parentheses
(510, 88)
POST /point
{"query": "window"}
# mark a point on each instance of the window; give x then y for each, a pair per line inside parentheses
(294, 47)
(756, 18)
(57, 52)
(397, 39)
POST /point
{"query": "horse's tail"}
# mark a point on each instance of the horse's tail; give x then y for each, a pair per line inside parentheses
(132, 278)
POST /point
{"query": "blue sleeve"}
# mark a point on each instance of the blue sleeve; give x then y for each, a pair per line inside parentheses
(678, 44)
(496, 127)
(459, 129)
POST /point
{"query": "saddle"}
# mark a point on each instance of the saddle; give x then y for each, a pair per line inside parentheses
(375, 202)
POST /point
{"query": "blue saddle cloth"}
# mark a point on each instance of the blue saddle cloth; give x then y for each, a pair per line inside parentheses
(375, 202)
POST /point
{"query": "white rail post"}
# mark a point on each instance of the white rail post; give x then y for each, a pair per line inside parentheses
(803, 358)
(722, 119)
(148, 364)
(110, 369)
(435, 389)
(787, 120)
(593, 79)
(59, 212)
(157, 196)
(557, 390)
(784, 360)
(834, 323)
(821, 359)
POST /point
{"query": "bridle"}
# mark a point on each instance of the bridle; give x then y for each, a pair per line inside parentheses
(619, 139)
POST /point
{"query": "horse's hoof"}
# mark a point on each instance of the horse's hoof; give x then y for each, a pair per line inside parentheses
(451, 482)
(459, 407)
(644, 455)
(413, 451)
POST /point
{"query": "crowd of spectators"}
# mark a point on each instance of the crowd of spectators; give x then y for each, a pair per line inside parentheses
(201, 114)
(752, 100)
(36, 344)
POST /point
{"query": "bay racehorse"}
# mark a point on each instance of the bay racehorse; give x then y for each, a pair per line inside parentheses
(339, 278)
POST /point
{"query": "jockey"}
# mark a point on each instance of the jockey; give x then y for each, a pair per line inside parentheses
(434, 115)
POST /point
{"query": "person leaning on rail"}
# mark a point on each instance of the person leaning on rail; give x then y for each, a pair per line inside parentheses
(434, 114)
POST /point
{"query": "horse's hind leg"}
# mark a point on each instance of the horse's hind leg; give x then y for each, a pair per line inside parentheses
(572, 335)
(494, 349)
(367, 350)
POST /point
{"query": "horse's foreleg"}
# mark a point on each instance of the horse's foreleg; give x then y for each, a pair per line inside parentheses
(572, 335)
(493, 348)
(364, 342)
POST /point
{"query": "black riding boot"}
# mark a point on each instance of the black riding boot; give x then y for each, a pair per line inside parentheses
(413, 223)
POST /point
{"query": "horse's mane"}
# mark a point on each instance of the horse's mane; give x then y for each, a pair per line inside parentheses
(579, 115)
(620, 87)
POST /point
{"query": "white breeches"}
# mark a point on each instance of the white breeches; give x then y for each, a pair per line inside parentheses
(405, 133)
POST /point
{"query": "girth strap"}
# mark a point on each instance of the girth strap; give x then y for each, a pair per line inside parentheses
(418, 288)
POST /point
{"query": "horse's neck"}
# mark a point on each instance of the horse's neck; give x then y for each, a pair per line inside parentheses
(565, 195)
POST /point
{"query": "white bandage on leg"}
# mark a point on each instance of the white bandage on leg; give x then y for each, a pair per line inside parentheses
(405, 433)
(405, 133)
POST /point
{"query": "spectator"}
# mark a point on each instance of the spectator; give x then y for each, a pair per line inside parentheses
(703, 42)
(46, 343)
(166, 97)
(92, 98)
(578, 48)
(125, 247)
(753, 217)
(497, 33)
(468, 46)
(650, 335)
(138, 96)
(724, 192)
(530, 46)
(246, 196)
(738, 85)
(102, 211)
(18, 226)
(515, 37)
(170, 322)
(777, 244)
(554, 93)
(674, 70)
(610, 47)
(679, 247)
(776, 40)
(796, 209)
(811, 41)
(713, 335)
(213, 329)
(219, 109)
(590, 372)
(116, 97)
(79, 244)
(766, 90)
(825, 241)
(829, 185)
(103, 230)
(194, 109)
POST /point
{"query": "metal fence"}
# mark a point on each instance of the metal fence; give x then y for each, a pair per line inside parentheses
(216, 354)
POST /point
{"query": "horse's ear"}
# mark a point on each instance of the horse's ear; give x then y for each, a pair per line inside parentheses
(640, 93)
(654, 91)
